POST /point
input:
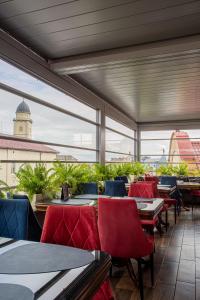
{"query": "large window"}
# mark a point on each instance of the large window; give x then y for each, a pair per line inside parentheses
(171, 146)
(120, 142)
(46, 125)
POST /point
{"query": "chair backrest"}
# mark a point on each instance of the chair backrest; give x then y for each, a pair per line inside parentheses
(120, 230)
(88, 188)
(18, 196)
(168, 180)
(14, 218)
(115, 188)
(34, 228)
(74, 226)
(143, 189)
(151, 178)
(123, 178)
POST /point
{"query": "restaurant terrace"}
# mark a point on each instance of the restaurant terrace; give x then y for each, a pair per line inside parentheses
(99, 149)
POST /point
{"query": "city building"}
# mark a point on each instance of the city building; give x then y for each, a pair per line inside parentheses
(184, 149)
(13, 151)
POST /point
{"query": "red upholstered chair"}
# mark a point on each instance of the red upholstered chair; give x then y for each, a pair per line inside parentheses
(121, 233)
(194, 194)
(143, 190)
(151, 178)
(75, 226)
(167, 201)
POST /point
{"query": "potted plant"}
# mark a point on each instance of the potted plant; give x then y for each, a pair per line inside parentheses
(165, 170)
(138, 169)
(4, 189)
(124, 169)
(181, 170)
(38, 182)
(66, 176)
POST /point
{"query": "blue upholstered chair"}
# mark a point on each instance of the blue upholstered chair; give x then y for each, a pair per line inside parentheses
(115, 188)
(172, 181)
(89, 188)
(124, 178)
(18, 220)
(17, 196)
(168, 180)
(34, 229)
(14, 218)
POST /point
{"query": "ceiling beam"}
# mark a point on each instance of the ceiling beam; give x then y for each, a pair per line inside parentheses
(92, 61)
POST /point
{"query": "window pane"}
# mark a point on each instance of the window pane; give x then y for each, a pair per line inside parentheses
(181, 146)
(74, 155)
(118, 143)
(158, 147)
(43, 123)
(119, 127)
(160, 134)
(22, 81)
(113, 157)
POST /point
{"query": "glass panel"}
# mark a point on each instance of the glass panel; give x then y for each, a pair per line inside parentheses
(160, 134)
(113, 157)
(119, 127)
(8, 169)
(24, 82)
(74, 155)
(158, 147)
(43, 123)
(181, 146)
(118, 143)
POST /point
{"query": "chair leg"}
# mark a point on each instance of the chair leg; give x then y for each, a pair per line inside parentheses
(152, 268)
(140, 277)
(110, 272)
(192, 204)
(131, 271)
(166, 220)
(175, 209)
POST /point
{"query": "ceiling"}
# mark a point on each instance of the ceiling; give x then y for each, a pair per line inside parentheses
(152, 88)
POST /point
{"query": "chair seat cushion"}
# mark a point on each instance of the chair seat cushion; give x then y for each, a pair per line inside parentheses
(196, 193)
(170, 201)
(152, 222)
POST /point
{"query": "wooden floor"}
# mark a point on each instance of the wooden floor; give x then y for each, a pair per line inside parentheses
(177, 264)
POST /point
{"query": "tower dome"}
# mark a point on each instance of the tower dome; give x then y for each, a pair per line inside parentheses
(23, 108)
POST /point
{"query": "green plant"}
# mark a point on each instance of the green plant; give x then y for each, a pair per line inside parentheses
(124, 169)
(138, 169)
(102, 172)
(181, 169)
(166, 170)
(4, 188)
(36, 180)
(64, 174)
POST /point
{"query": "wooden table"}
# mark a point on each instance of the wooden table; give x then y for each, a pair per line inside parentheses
(80, 283)
(152, 209)
(188, 185)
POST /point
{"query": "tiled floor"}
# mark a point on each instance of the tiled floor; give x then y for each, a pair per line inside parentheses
(177, 264)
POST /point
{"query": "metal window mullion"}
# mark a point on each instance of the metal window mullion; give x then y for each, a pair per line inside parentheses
(43, 102)
(102, 137)
(45, 143)
(120, 133)
(116, 152)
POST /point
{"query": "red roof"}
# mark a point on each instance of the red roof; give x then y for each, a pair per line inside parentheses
(188, 150)
(25, 146)
(196, 147)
